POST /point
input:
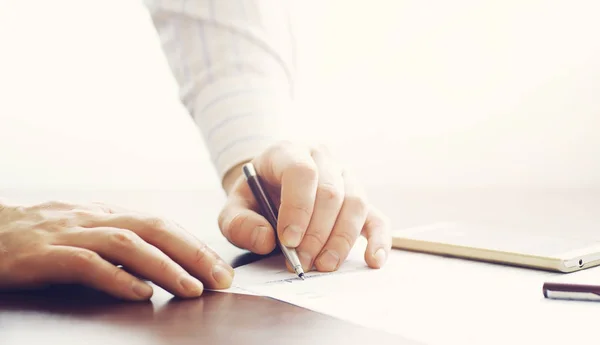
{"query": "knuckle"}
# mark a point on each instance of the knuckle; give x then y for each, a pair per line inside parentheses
(82, 214)
(237, 222)
(233, 231)
(82, 217)
(64, 205)
(62, 223)
(305, 169)
(163, 265)
(346, 238)
(357, 204)
(328, 191)
(54, 224)
(123, 238)
(101, 207)
(120, 275)
(56, 204)
(82, 259)
(156, 223)
(316, 238)
(301, 208)
(46, 204)
(201, 254)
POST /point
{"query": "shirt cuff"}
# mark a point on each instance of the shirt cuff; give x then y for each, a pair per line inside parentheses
(240, 118)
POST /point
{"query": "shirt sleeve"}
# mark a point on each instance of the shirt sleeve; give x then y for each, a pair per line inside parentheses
(234, 63)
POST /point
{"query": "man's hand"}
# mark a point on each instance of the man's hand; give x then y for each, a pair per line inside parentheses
(322, 211)
(55, 243)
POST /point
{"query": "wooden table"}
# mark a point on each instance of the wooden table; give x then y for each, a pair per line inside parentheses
(75, 315)
(71, 315)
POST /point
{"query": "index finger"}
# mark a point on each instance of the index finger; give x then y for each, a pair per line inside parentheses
(294, 170)
(181, 246)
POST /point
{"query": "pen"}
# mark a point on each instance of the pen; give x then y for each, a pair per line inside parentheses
(572, 291)
(270, 212)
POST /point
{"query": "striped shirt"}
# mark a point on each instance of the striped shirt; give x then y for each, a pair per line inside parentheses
(234, 63)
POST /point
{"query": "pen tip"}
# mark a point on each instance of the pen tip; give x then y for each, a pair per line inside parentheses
(301, 276)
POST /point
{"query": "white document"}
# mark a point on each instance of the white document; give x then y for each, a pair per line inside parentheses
(355, 292)
(432, 299)
(272, 272)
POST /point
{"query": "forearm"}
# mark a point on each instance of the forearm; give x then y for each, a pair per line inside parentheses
(233, 61)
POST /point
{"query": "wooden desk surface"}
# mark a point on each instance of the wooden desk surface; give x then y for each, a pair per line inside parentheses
(78, 316)
(75, 315)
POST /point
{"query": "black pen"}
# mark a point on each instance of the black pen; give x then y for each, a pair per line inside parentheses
(269, 211)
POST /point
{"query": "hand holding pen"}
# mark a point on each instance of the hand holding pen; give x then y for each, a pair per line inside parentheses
(269, 211)
(321, 213)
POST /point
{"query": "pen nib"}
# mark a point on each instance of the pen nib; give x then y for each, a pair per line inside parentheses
(299, 271)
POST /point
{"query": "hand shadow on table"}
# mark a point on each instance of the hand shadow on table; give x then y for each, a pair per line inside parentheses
(74, 301)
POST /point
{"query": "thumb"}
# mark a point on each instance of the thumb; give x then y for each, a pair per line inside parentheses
(243, 226)
(379, 241)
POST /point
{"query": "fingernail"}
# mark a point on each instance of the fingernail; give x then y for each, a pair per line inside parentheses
(143, 290)
(329, 260)
(221, 275)
(305, 260)
(259, 236)
(191, 285)
(380, 256)
(292, 235)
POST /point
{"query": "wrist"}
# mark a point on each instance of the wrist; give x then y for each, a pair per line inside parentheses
(231, 176)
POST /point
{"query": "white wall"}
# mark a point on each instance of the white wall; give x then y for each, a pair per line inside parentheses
(408, 92)
(460, 92)
(87, 100)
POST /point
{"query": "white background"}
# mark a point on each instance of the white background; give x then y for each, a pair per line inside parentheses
(408, 92)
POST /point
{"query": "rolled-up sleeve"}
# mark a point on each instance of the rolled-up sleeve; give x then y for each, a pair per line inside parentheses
(234, 63)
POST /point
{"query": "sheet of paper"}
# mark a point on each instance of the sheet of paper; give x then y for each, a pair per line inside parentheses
(250, 279)
(432, 299)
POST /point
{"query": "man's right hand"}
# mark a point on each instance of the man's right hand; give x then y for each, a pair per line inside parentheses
(61, 243)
